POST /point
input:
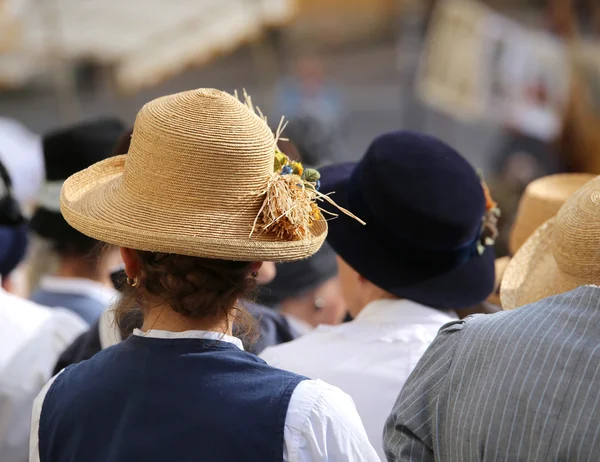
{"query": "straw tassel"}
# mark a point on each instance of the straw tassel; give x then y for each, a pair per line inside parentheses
(290, 209)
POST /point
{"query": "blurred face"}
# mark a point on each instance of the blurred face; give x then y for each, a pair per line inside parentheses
(266, 273)
(324, 305)
(330, 307)
(350, 285)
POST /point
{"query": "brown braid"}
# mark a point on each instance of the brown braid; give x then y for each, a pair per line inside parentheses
(194, 287)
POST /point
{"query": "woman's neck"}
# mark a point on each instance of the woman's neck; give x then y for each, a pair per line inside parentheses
(164, 318)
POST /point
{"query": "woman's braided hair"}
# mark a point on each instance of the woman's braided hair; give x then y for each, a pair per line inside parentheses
(191, 286)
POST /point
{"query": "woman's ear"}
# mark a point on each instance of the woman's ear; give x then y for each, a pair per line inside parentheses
(131, 261)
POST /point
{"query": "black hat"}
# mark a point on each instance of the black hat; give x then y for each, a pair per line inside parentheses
(424, 206)
(66, 152)
(296, 278)
(13, 227)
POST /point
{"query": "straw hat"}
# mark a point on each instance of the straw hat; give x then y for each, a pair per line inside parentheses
(193, 183)
(561, 255)
(500, 266)
(541, 200)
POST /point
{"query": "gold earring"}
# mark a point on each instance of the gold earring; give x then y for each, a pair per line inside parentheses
(132, 282)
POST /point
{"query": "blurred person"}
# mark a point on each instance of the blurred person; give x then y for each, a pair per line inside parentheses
(307, 292)
(313, 107)
(422, 256)
(21, 154)
(31, 336)
(152, 395)
(272, 327)
(521, 384)
(81, 280)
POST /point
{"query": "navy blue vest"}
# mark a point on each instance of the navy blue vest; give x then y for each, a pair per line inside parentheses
(149, 399)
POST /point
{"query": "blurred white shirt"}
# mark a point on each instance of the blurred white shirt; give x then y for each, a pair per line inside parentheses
(369, 358)
(31, 339)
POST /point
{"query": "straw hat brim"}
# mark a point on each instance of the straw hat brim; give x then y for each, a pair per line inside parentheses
(500, 264)
(533, 273)
(93, 202)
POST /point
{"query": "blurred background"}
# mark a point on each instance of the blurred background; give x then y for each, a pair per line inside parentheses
(514, 85)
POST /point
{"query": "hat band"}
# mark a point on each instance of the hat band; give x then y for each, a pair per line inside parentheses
(430, 260)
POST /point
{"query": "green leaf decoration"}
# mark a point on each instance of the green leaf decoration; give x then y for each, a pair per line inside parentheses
(311, 175)
(280, 160)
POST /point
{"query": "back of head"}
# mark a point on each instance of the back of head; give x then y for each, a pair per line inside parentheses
(194, 287)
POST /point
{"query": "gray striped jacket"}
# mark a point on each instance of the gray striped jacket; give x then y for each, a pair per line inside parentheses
(520, 385)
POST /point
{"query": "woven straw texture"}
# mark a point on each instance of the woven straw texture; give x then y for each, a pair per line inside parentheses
(561, 255)
(500, 266)
(542, 199)
(191, 184)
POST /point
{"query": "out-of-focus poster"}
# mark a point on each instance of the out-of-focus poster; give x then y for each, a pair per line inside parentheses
(479, 64)
(450, 76)
(541, 88)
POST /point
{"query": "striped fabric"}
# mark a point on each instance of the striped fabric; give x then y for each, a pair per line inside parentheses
(520, 385)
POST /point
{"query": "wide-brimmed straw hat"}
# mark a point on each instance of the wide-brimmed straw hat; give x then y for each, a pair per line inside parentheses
(193, 183)
(561, 255)
(500, 265)
(541, 200)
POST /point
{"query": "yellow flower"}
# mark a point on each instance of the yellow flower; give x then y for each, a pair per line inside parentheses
(317, 215)
(297, 166)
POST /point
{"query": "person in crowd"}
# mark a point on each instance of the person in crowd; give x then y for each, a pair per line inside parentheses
(541, 200)
(421, 256)
(307, 292)
(314, 107)
(272, 328)
(190, 206)
(21, 154)
(521, 384)
(81, 280)
(31, 336)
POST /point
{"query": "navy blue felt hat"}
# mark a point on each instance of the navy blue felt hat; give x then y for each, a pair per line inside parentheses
(13, 244)
(424, 205)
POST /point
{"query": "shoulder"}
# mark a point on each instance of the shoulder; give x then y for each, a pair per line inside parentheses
(322, 421)
(319, 400)
(300, 349)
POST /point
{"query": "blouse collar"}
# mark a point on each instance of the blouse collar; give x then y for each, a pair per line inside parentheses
(197, 334)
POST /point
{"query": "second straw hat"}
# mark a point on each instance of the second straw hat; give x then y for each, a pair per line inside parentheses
(541, 200)
(561, 255)
(192, 183)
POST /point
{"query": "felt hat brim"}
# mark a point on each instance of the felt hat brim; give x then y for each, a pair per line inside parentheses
(95, 202)
(464, 286)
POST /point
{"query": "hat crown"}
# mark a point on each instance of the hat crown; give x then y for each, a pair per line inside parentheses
(576, 236)
(422, 190)
(202, 148)
(69, 150)
(542, 200)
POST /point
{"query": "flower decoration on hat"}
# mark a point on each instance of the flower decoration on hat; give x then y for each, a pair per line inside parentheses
(489, 226)
(290, 207)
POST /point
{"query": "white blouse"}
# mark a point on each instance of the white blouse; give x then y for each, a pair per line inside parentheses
(321, 424)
